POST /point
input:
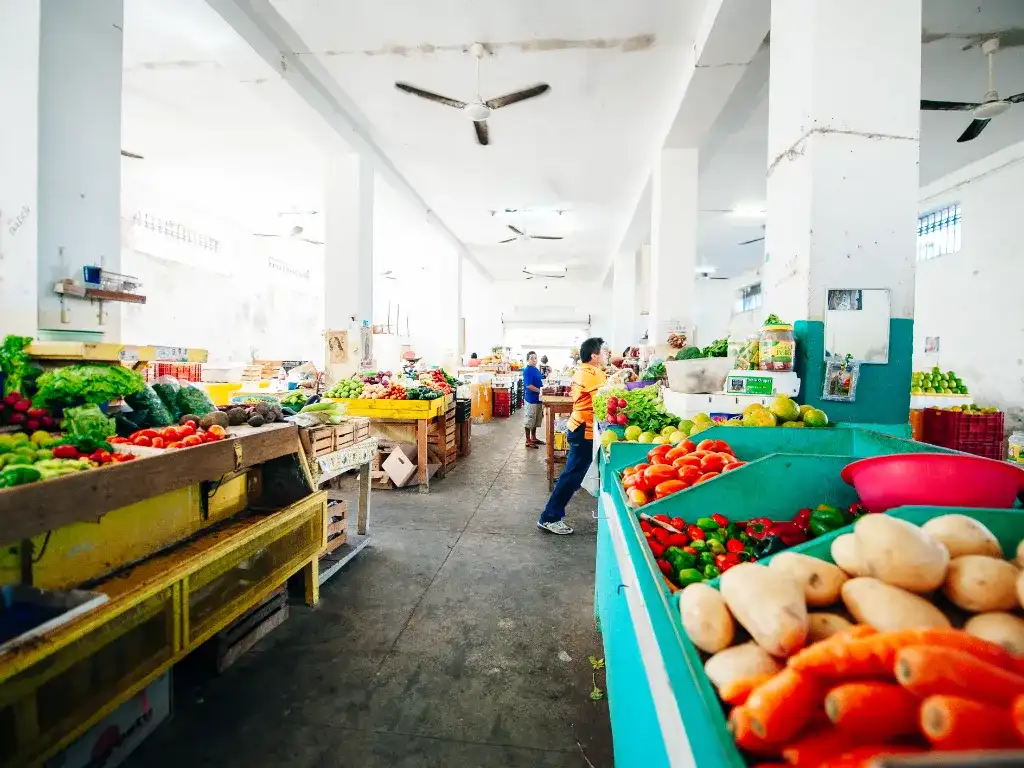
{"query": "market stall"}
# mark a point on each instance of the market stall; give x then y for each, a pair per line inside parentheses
(554, 405)
(122, 554)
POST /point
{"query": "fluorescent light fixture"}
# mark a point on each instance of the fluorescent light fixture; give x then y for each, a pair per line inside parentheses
(749, 210)
(547, 269)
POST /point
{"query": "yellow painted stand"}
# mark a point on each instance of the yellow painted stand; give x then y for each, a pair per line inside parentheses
(394, 409)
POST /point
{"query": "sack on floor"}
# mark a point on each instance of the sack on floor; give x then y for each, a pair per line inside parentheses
(591, 480)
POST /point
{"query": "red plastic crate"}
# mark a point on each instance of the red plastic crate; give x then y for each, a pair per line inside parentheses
(978, 434)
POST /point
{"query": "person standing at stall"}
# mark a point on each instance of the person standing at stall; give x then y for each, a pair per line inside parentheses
(589, 378)
(533, 413)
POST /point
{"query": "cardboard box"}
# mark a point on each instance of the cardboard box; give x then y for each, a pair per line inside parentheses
(110, 741)
(402, 468)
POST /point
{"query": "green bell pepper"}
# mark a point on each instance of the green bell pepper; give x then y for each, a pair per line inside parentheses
(705, 559)
(711, 572)
(699, 545)
(707, 524)
(687, 576)
(716, 547)
(826, 519)
(19, 475)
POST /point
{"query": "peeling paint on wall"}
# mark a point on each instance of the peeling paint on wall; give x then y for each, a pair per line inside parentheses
(624, 44)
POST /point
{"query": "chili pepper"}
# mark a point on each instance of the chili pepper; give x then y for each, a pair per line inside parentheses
(662, 518)
(716, 536)
(727, 561)
(657, 548)
(855, 509)
(707, 524)
(645, 526)
(699, 545)
(695, 533)
(757, 527)
(734, 545)
(826, 520)
(790, 533)
(661, 535)
(710, 572)
(687, 576)
(65, 452)
(684, 560)
(690, 551)
(716, 547)
(666, 568)
(802, 519)
(678, 540)
(678, 523)
(722, 520)
(705, 559)
(770, 545)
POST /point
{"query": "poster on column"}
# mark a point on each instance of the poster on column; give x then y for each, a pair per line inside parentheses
(337, 347)
(366, 346)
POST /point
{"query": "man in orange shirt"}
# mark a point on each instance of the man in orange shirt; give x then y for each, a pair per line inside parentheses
(588, 379)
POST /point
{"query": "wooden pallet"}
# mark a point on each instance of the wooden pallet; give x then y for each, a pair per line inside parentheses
(250, 628)
(318, 441)
(336, 524)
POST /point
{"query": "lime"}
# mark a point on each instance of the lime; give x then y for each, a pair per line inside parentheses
(916, 391)
(659, 440)
(633, 432)
(608, 437)
(703, 418)
(698, 427)
(685, 426)
(784, 409)
(930, 391)
(794, 424)
(676, 437)
(803, 410)
(646, 437)
(816, 418)
(669, 430)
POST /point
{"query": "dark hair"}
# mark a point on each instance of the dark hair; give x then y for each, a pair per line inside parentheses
(543, 358)
(531, 352)
(473, 356)
(590, 347)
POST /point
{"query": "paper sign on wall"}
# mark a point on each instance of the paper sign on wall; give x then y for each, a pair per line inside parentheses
(337, 344)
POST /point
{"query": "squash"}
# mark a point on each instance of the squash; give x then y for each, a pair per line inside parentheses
(705, 618)
(769, 604)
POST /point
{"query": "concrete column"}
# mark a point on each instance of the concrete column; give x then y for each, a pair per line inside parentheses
(842, 176)
(624, 310)
(79, 156)
(673, 242)
(348, 254)
(19, 135)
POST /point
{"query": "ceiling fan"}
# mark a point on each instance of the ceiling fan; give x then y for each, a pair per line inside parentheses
(545, 273)
(478, 111)
(983, 111)
(295, 232)
(755, 240)
(520, 235)
(707, 272)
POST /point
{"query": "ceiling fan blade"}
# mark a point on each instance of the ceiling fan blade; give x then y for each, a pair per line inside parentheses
(523, 95)
(1015, 99)
(260, 234)
(510, 240)
(430, 96)
(482, 135)
(133, 156)
(311, 242)
(976, 127)
(517, 231)
(947, 106)
(748, 242)
(545, 237)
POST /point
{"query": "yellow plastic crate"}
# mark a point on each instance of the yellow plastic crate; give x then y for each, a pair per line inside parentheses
(393, 409)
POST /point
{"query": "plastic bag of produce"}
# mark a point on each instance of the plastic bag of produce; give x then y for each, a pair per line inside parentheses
(166, 388)
(194, 400)
(149, 410)
(749, 355)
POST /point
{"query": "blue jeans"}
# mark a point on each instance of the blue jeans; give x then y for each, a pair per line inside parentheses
(581, 453)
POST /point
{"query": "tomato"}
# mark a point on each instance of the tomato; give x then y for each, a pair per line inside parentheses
(629, 481)
(723, 447)
(142, 440)
(707, 445)
(174, 446)
(678, 523)
(662, 518)
(659, 450)
(191, 440)
(150, 433)
(661, 459)
(701, 454)
(640, 467)
(158, 442)
(169, 434)
(645, 526)
(187, 429)
(687, 461)
(689, 474)
(628, 471)
(657, 548)
(660, 535)
(641, 483)
(669, 487)
(659, 473)
(118, 440)
(688, 445)
(712, 463)
(678, 452)
(707, 476)
(678, 540)
(209, 437)
(637, 498)
(733, 465)
(665, 568)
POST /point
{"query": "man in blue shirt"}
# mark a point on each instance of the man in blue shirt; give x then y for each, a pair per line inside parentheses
(533, 413)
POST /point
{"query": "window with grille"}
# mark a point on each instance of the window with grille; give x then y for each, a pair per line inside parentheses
(749, 298)
(938, 232)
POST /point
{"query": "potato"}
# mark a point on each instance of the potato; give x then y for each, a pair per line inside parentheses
(821, 581)
(901, 554)
(1004, 629)
(707, 621)
(824, 625)
(979, 583)
(963, 535)
(888, 608)
(769, 604)
(740, 661)
(1020, 554)
(847, 556)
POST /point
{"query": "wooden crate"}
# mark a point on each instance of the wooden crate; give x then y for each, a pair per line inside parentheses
(344, 435)
(336, 524)
(318, 441)
(250, 628)
(360, 427)
(462, 438)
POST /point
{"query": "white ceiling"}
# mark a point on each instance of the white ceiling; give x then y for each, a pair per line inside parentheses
(583, 148)
(953, 69)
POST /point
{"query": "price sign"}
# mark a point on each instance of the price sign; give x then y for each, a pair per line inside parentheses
(172, 354)
(128, 355)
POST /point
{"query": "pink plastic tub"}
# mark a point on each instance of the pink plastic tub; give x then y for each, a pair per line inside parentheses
(934, 480)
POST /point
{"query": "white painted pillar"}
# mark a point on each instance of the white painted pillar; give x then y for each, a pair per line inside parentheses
(673, 242)
(624, 309)
(348, 255)
(19, 134)
(843, 146)
(79, 156)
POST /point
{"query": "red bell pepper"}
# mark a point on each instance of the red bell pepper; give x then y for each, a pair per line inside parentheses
(802, 519)
(734, 545)
(722, 520)
(665, 568)
(678, 523)
(695, 533)
(757, 527)
(657, 548)
(790, 533)
(65, 452)
(678, 540)
(727, 561)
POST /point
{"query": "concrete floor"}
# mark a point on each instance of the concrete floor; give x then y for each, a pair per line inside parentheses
(459, 638)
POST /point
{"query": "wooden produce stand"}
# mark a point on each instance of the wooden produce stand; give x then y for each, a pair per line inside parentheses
(330, 452)
(423, 422)
(553, 405)
(174, 548)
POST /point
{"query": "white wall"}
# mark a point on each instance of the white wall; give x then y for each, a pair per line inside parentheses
(481, 312)
(973, 300)
(715, 315)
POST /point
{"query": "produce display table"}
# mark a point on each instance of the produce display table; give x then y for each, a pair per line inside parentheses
(177, 545)
(553, 405)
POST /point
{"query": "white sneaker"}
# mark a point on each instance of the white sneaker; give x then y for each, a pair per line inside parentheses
(560, 528)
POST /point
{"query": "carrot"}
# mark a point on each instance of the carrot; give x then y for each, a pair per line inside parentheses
(863, 757)
(818, 746)
(955, 723)
(1017, 711)
(744, 736)
(872, 711)
(929, 671)
(736, 692)
(873, 656)
(780, 707)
